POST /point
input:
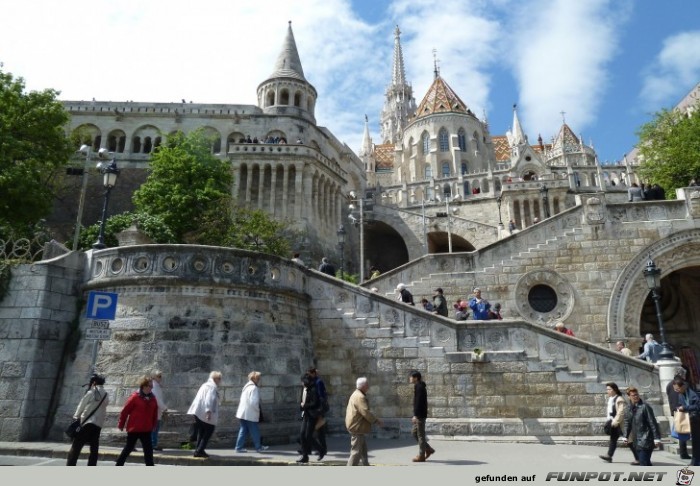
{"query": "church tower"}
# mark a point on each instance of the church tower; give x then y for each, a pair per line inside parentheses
(400, 103)
(286, 91)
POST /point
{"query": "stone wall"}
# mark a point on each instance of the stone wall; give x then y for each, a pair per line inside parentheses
(36, 318)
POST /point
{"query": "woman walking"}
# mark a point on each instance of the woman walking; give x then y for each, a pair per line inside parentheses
(249, 414)
(310, 413)
(205, 408)
(615, 414)
(92, 411)
(139, 416)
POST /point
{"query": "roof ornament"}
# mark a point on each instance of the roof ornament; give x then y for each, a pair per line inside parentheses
(563, 117)
(436, 64)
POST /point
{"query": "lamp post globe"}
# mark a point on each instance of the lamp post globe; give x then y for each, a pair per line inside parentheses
(110, 173)
(652, 275)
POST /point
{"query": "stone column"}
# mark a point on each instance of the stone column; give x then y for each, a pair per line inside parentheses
(261, 186)
(285, 191)
(249, 183)
(299, 202)
(273, 190)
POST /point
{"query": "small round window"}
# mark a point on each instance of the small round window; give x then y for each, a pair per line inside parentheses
(542, 298)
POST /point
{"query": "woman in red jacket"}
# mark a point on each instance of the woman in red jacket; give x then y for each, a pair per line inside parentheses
(140, 415)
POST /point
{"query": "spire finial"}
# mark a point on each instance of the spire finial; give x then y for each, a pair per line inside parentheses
(366, 119)
(436, 63)
(563, 117)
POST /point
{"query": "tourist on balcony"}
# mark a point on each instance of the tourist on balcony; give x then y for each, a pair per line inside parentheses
(634, 193)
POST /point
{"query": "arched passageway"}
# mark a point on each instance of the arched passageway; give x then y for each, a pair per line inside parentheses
(384, 247)
(680, 312)
(438, 242)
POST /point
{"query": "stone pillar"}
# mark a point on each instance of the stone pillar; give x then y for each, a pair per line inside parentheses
(285, 191)
(249, 182)
(273, 191)
(261, 186)
(667, 370)
(299, 202)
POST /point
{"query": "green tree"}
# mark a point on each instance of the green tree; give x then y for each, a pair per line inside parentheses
(152, 226)
(670, 149)
(33, 145)
(185, 181)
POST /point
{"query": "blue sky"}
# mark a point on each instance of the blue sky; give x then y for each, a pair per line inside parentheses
(608, 64)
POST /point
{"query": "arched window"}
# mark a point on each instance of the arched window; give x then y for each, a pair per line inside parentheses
(428, 171)
(462, 140)
(464, 168)
(426, 143)
(445, 169)
(444, 140)
(284, 97)
(270, 98)
(297, 98)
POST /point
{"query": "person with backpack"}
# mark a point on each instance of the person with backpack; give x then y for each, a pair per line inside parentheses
(615, 414)
(652, 349)
(92, 412)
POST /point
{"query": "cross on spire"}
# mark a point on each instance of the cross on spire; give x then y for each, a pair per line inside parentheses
(436, 63)
(563, 117)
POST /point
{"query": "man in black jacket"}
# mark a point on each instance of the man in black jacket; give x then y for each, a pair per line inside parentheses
(420, 414)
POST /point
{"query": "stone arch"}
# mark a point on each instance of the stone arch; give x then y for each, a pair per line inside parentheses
(270, 97)
(675, 252)
(284, 97)
(143, 139)
(88, 134)
(214, 138)
(116, 141)
(298, 96)
(235, 137)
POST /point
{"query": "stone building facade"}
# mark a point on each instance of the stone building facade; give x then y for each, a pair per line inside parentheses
(282, 161)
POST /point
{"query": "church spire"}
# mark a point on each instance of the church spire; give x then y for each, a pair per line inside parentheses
(516, 136)
(366, 140)
(399, 104)
(398, 72)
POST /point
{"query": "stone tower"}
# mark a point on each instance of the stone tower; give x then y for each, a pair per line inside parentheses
(399, 104)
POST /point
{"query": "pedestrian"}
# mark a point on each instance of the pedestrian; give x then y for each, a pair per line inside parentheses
(673, 403)
(404, 295)
(495, 313)
(560, 327)
(139, 415)
(157, 377)
(614, 415)
(321, 427)
(249, 415)
(642, 429)
(480, 307)
(420, 414)
(374, 272)
(511, 226)
(205, 408)
(358, 421)
(297, 259)
(461, 312)
(439, 303)
(635, 193)
(427, 305)
(620, 346)
(92, 411)
(689, 402)
(652, 349)
(310, 412)
(327, 267)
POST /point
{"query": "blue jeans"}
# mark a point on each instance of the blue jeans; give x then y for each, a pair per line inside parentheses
(248, 427)
(154, 434)
(644, 456)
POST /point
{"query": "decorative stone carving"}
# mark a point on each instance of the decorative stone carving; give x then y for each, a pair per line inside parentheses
(562, 288)
(694, 204)
(594, 211)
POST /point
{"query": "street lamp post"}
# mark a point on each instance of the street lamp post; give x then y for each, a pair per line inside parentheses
(447, 194)
(110, 172)
(499, 200)
(341, 243)
(545, 199)
(652, 274)
(361, 203)
(87, 151)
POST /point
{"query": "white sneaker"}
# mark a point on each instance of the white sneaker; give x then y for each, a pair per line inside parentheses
(263, 448)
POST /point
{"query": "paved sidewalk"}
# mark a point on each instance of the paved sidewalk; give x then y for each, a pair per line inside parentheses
(488, 454)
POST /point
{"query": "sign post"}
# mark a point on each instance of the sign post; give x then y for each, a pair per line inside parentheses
(101, 308)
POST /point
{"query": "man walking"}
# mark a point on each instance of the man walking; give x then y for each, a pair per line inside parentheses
(321, 426)
(358, 421)
(420, 414)
(652, 349)
(439, 303)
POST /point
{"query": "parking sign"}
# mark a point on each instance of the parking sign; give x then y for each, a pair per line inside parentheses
(102, 305)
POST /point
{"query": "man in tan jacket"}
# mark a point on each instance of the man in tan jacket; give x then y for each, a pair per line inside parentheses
(358, 421)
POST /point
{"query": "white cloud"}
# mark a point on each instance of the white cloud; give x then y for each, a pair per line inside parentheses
(675, 70)
(560, 60)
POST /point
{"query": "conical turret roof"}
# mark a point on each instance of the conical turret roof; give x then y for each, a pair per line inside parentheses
(288, 64)
(440, 98)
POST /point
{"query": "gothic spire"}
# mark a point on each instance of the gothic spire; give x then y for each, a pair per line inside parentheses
(398, 72)
(516, 136)
(366, 140)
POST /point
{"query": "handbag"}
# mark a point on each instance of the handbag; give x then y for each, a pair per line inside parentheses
(677, 435)
(607, 428)
(681, 422)
(77, 425)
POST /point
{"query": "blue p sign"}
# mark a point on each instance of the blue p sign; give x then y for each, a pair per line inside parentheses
(102, 306)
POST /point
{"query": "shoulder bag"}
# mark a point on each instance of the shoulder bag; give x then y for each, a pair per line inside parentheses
(77, 425)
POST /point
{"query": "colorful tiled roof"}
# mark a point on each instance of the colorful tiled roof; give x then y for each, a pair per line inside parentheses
(440, 98)
(384, 156)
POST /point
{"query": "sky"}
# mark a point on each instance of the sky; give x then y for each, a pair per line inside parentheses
(602, 66)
